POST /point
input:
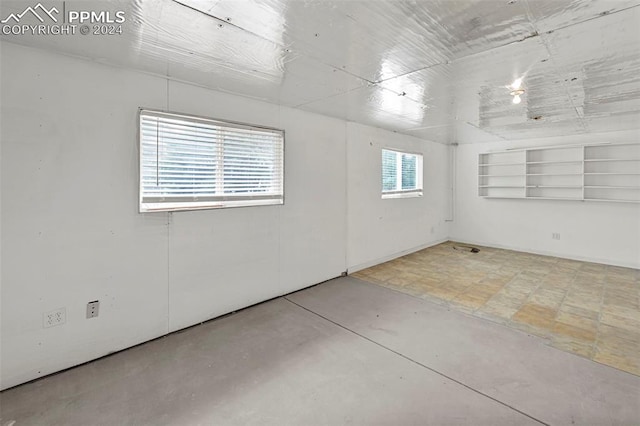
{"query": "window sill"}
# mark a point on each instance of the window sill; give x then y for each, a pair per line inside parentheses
(178, 207)
(402, 195)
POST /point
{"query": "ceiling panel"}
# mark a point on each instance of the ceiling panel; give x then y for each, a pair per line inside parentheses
(372, 105)
(550, 15)
(482, 92)
(354, 36)
(226, 57)
(440, 134)
(205, 44)
(303, 80)
(360, 36)
(598, 61)
(469, 26)
(425, 86)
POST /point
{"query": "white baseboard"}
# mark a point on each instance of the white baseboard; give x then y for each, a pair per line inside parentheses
(365, 265)
(547, 253)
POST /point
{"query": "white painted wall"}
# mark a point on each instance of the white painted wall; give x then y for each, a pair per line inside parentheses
(222, 260)
(381, 229)
(71, 232)
(603, 232)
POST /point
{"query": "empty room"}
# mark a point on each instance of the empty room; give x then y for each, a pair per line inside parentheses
(318, 212)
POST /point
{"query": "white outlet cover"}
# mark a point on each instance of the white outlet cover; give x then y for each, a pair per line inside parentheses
(93, 309)
(55, 317)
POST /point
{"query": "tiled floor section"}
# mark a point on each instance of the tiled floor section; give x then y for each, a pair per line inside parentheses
(589, 309)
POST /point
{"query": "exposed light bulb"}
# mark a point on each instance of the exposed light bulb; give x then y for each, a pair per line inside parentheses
(516, 83)
(516, 99)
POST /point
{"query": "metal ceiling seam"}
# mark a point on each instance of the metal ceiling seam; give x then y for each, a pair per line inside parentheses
(225, 22)
(335, 95)
(600, 15)
(545, 43)
(554, 66)
(437, 126)
(301, 53)
(537, 33)
(439, 64)
(313, 57)
(497, 135)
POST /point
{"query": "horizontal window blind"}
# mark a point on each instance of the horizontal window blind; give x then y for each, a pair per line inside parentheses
(190, 163)
(401, 173)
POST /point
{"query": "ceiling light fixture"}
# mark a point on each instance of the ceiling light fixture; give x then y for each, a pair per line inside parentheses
(516, 90)
(516, 83)
(516, 95)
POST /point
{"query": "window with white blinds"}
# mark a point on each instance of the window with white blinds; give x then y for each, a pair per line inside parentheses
(401, 174)
(191, 163)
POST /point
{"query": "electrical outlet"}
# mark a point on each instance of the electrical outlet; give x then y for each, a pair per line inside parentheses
(555, 236)
(93, 308)
(53, 318)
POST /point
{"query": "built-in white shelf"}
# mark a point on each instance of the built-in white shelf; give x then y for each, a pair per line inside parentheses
(555, 162)
(489, 196)
(613, 159)
(596, 172)
(533, 197)
(500, 164)
(618, 174)
(610, 201)
(554, 174)
(553, 186)
(613, 187)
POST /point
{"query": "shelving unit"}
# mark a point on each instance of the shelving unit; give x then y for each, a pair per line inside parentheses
(502, 175)
(622, 165)
(599, 172)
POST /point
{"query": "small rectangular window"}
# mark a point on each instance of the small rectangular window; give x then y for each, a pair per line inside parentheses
(189, 163)
(401, 174)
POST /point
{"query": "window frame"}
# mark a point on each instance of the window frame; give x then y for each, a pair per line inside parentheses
(222, 202)
(404, 193)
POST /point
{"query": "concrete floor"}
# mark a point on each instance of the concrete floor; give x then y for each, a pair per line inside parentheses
(589, 309)
(343, 352)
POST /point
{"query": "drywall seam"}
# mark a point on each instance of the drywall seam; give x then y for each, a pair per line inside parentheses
(346, 197)
(453, 149)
